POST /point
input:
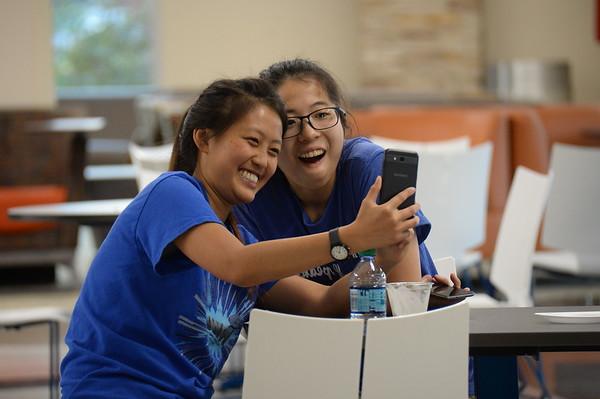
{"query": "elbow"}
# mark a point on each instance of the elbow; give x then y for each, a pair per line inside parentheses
(246, 281)
(241, 278)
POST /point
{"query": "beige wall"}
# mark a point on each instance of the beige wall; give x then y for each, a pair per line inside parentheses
(546, 29)
(415, 46)
(200, 41)
(26, 74)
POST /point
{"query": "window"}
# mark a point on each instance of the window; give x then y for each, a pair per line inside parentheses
(102, 44)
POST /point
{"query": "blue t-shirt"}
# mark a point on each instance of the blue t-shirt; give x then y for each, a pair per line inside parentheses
(149, 323)
(276, 211)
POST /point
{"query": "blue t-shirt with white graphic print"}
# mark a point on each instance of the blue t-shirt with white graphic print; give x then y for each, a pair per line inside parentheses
(149, 323)
(276, 211)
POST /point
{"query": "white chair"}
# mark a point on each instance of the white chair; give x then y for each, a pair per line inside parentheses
(452, 189)
(423, 355)
(572, 219)
(149, 162)
(297, 357)
(455, 145)
(511, 267)
(20, 318)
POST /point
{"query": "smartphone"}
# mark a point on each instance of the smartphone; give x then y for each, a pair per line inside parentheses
(447, 292)
(399, 173)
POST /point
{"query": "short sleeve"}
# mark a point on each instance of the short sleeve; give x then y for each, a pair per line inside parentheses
(173, 205)
(423, 228)
(427, 265)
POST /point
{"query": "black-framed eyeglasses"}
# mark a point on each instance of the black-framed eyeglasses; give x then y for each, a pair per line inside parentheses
(320, 119)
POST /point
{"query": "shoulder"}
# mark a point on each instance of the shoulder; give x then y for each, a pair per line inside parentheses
(360, 148)
(360, 157)
(171, 184)
(174, 180)
(175, 192)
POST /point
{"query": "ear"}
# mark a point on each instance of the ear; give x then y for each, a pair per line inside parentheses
(201, 139)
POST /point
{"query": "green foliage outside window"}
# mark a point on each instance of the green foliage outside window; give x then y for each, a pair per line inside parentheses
(102, 42)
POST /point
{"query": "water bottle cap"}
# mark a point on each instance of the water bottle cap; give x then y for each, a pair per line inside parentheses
(368, 252)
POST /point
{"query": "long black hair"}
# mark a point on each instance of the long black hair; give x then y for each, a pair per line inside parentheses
(219, 106)
(300, 68)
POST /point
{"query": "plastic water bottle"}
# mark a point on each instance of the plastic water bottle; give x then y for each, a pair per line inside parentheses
(367, 288)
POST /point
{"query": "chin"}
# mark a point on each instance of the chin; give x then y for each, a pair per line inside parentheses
(318, 176)
(245, 198)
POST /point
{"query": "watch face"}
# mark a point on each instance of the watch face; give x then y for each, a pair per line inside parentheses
(339, 252)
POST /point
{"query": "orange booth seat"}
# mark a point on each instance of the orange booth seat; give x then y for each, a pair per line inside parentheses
(37, 168)
(27, 195)
(536, 129)
(444, 123)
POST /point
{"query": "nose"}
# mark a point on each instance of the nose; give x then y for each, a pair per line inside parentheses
(307, 132)
(260, 159)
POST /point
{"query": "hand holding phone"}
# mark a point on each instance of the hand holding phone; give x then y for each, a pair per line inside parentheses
(447, 292)
(399, 172)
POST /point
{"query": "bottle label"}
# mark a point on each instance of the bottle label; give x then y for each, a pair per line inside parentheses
(367, 300)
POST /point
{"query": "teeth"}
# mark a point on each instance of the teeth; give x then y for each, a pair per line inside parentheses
(313, 153)
(249, 176)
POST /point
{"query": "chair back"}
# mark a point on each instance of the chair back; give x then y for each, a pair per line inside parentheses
(297, 357)
(511, 267)
(423, 355)
(572, 220)
(452, 189)
(149, 162)
(480, 124)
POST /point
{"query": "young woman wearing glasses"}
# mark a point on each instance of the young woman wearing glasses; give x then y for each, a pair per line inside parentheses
(323, 178)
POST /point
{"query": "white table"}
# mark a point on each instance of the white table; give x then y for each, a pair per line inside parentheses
(98, 212)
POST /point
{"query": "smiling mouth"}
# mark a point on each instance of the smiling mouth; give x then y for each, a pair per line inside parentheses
(312, 156)
(250, 176)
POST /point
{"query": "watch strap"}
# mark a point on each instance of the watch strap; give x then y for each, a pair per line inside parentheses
(334, 237)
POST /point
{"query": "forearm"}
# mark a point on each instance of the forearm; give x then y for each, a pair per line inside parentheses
(275, 260)
(297, 295)
(404, 265)
(336, 300)
(249, 265)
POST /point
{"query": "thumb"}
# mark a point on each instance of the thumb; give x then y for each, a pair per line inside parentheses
(374, 191)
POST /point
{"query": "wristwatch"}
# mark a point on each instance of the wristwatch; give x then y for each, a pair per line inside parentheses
(338, 250)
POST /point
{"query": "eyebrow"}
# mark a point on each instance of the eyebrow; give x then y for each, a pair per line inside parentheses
(318, 103)
(254, 129)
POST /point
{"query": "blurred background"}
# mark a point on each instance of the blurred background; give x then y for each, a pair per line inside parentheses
(123, 71)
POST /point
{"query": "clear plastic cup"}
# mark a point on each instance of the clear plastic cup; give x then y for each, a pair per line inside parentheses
(408, 297)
